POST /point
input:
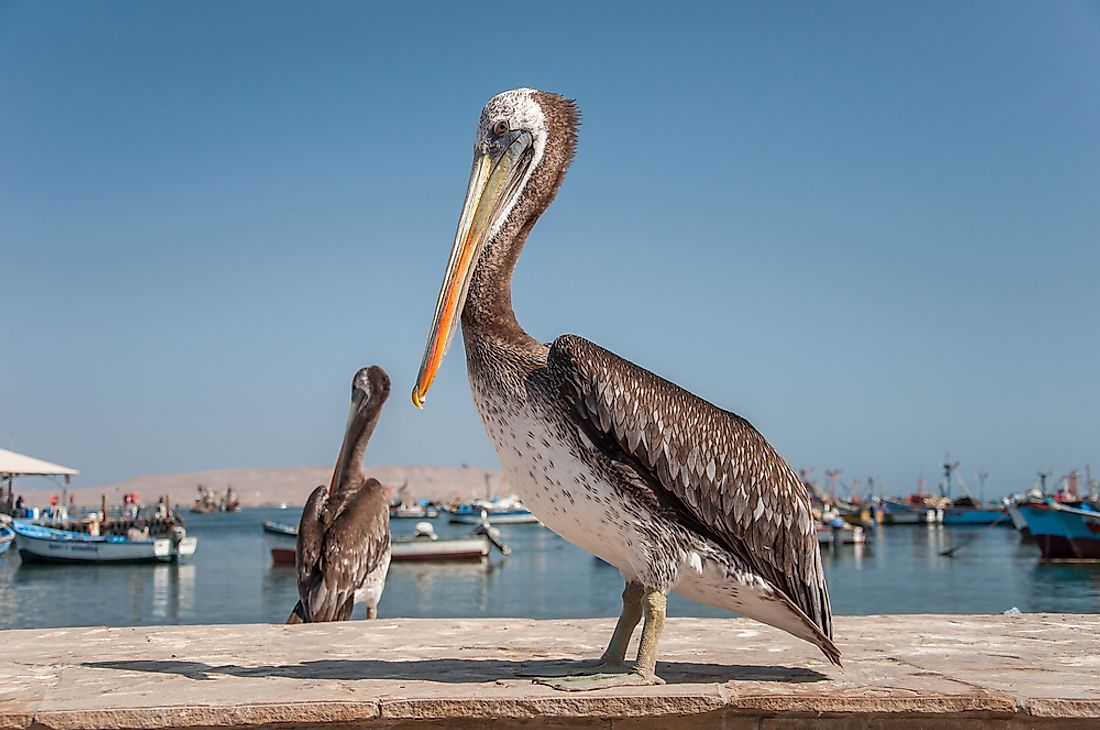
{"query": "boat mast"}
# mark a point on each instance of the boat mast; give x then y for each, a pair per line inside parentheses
(831, 475)
(949, 468)
(1043, 482)
(982, 476)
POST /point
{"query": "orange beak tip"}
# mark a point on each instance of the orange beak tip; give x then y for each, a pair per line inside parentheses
(417, 398)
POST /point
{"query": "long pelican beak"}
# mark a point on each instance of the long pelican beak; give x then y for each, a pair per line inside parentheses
(494, 180)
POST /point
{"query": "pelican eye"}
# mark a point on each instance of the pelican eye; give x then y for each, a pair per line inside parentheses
(500, 128)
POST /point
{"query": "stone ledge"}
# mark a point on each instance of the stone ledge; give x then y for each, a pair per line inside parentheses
(1029, 670)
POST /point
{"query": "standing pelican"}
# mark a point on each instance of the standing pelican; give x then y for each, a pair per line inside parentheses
(344, 536)
(676, 493)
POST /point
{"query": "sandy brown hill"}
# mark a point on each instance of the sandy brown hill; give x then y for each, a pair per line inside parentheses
(265, 486)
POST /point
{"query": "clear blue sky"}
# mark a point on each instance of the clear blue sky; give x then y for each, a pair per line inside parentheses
(871, 228)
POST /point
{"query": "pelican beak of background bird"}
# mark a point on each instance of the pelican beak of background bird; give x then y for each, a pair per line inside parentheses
(499, 169)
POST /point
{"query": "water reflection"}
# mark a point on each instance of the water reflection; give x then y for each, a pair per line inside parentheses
(231, 579)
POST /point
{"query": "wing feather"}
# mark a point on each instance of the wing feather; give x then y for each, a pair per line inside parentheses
(712, 463)
(311, 538)
(355, 542)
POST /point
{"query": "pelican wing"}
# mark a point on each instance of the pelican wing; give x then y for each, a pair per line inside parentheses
(707, 466)
(311, 539)
(355, 543)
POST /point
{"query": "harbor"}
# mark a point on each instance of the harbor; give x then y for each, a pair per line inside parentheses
(232, 578)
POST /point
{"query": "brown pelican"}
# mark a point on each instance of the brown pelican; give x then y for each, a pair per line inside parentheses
(344, 536)
(676, 493)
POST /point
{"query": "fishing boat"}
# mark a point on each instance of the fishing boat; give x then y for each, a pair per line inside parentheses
(1047, 530)
(901, 512)
(426, 545)
(962, 516)
(7, 537)
(45, 544)
(282, 540)
(423, 545)
(831, 536)
(1081, 525)
(413, 512)
(508, 511)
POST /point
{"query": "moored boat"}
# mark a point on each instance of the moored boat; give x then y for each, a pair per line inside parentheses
(508, 511)
(7, 537)
(282, 540)
(902, 512)
(413, 512)
(44, 544)
(424, 545)
(830, 536)
(1081, 525)
(1047, 530)
(965, 515)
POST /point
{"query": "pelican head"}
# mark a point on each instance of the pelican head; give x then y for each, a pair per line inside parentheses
(369, 390)
(515, 134)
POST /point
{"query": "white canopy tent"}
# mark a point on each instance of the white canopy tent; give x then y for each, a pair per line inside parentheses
(20, 465)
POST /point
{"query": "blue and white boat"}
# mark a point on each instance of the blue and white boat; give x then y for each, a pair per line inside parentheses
(7, 537)
(507, 511)
(1081, 525)
(1047, 530)
(45, 544)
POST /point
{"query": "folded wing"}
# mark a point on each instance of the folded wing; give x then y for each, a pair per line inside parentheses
(709, 465)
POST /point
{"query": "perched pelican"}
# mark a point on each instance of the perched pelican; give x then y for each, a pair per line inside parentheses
(344, 536)
(676, 493)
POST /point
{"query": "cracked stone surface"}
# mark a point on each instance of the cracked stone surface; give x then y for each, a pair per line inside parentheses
(1028, 670)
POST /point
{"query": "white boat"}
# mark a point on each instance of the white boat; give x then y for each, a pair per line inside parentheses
(830, 536)
(413, 512)
(7, 537)
(36, 543)
(282, 540)
(506, 511)
(424, 545)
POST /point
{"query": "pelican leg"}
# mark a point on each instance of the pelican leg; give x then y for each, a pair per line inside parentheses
(615, 653)
(644, 671)
(614, 656)
(372, 612)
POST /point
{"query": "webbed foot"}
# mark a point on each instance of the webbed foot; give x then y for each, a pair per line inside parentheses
(570, 669)
(627, 677)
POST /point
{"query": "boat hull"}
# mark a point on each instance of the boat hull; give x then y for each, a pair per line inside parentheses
(1047, 531)
(473, 548)
(497, 518)
(1082, 528)
(958, 516)
(282, 540)
(896, 512)
(413, 514)
(44, 545)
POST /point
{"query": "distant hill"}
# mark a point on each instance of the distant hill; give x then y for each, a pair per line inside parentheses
(292, 484)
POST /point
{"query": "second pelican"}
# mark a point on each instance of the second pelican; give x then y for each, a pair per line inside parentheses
(344, 537)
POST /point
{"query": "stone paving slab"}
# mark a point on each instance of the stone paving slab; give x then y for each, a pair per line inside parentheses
(1028, 670)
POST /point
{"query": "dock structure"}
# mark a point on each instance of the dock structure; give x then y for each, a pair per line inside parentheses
(1013, 671)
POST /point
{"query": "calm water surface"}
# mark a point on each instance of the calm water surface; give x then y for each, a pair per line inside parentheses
(231, 580)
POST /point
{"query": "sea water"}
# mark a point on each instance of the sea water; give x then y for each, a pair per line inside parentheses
(231, 579)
